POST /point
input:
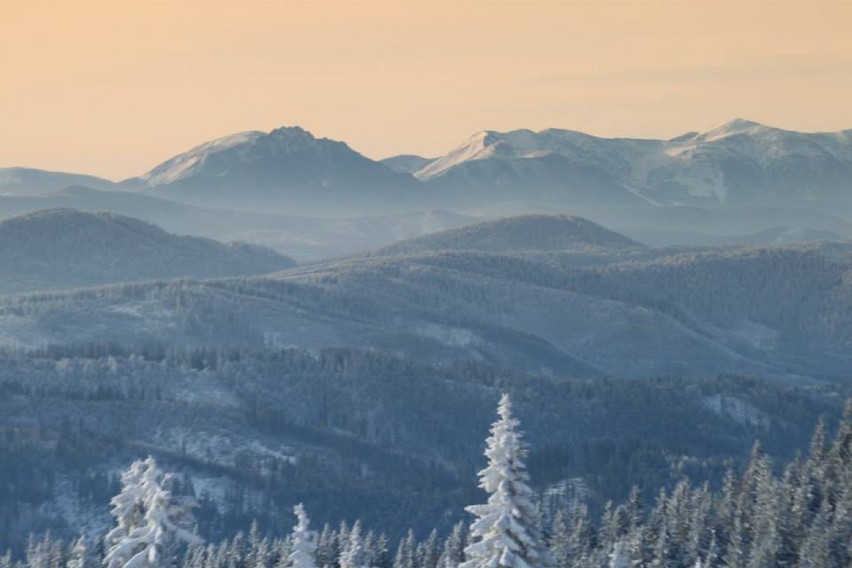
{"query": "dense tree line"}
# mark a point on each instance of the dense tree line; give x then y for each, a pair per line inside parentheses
(798, 516)
(772, 310)
(356, 433)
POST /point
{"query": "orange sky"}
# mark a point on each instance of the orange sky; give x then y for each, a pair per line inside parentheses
(112, 87)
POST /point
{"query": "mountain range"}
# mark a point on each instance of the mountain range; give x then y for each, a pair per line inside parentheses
(303, 238)
(738, 164)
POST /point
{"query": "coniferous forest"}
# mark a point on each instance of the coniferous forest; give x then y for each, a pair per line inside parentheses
(797, 514)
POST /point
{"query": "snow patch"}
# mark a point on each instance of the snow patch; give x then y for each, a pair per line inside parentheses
(186, 164)
(740, 411)
(450, 336)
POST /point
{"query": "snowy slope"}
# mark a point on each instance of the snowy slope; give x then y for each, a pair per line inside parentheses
(738, 162)
(407, 163)
(197, 160)
(287, 170)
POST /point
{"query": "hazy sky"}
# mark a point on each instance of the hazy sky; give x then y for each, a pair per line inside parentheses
(113, 87)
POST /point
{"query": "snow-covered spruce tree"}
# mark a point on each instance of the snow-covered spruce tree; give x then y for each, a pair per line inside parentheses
(453, 553)
(151, 521)
(353, 554)
(406, 551)
(79, 554)
(507, 531)
(128, 505)
(302, 541)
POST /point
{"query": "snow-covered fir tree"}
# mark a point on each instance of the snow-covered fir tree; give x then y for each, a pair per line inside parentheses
(79, 557)
(507, 530)
(353, 554)
(406, 552)
(150, 520)
(302, 541)
(453, 553)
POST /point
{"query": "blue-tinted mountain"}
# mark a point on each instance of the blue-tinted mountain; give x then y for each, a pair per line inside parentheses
(29, 181)
(63, 248)
(525, 233)
(285, 170)
(739, 163)
(407, 163)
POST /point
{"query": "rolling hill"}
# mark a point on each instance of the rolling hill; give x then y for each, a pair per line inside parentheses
(781, 311)
(531, 233)
(63, 248)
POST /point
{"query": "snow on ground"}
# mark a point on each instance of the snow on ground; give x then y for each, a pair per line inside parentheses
(450, 336)
(185, 164)
(741, 411)
(219, 448)
(85, 519)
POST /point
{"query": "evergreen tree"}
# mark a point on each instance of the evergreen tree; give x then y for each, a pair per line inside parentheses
(428, 551)
(302, 540)
(151, 521)
(353, 554)
(453, 553)
(582, 533)
(406, 552)
(559, 540)
(79, 557)
(327, 550)
(506, 532)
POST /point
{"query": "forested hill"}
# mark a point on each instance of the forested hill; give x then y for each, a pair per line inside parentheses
(776, 311)
(355, 434)
(526, 233)
(63, 248)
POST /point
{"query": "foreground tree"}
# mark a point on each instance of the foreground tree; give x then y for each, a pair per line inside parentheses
(303, 543)
(507, 530)
(151, 522)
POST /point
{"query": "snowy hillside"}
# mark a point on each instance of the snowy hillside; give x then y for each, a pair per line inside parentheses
(739, 162)
(287, 170)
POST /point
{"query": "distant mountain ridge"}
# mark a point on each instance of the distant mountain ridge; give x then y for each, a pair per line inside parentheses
(30, 181)
(286, 167)
(288, 171)
(740, 162)
(63, 248)
(407, 163)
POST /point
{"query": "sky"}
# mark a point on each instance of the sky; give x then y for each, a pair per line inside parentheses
(113, 87)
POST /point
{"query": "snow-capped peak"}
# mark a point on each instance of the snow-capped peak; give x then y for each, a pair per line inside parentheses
(184, 165)
(232, 150)
(488, 144)
(477, 147)
(733, 128)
